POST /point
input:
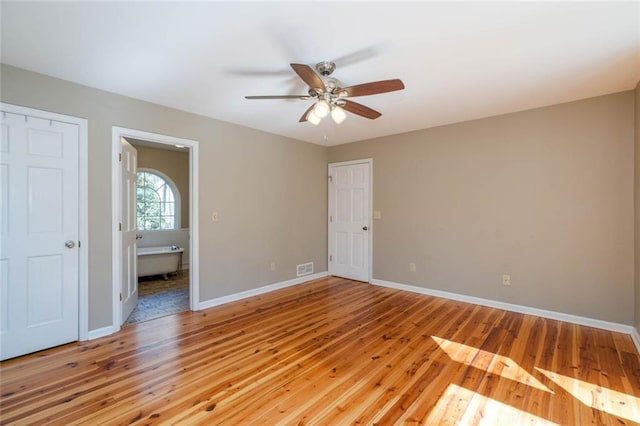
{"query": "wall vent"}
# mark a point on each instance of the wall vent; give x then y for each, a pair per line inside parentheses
(305, 269)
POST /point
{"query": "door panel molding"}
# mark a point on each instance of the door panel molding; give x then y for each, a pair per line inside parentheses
(116, 196)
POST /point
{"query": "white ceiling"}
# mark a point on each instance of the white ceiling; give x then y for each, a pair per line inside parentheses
(459, 61)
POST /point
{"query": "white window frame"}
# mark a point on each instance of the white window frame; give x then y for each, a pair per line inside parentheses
(176, 195)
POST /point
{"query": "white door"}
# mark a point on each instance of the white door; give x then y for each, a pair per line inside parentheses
(39, 229)
(129, 166)
(349, 221)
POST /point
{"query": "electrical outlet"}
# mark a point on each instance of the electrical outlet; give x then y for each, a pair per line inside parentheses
(412, 267)
(377, 214)
(273, 266)
(506, 279)
(214, 217)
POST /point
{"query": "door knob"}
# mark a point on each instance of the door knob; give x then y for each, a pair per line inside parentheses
(69, 244)
(364, 228)
(138, 236)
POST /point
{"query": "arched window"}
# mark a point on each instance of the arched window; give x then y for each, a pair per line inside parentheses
(158, 201)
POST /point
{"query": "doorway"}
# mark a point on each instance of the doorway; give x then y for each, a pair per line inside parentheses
(350, 207)
(153, 282)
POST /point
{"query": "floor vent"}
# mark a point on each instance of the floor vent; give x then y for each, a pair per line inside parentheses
(305, 269)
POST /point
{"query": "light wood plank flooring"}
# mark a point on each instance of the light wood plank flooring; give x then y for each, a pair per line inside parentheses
(331, 352)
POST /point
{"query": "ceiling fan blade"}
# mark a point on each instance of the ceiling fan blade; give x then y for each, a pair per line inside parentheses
(309, 76)
(306, 114)
(361, 110)
(357, 56)
(304, 97)
(372, 88)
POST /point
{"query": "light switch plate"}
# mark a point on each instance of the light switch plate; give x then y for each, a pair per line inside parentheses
(377, 214)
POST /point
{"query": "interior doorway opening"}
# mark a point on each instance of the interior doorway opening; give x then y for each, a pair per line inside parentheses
(162, 231)
(155, 252)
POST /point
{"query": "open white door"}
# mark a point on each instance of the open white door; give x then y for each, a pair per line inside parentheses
(39, 213)
(349, 220)
(129, 166)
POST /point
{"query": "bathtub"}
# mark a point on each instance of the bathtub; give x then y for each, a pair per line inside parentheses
(159, 260)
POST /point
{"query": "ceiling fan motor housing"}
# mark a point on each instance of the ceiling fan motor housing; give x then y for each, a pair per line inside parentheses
(331, 83)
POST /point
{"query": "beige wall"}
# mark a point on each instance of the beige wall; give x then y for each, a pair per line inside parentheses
(175, 165)
(544, 195)
(270, 190)
(637, 207)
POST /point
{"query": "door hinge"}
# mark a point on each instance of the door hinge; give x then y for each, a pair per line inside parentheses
(330, 258)
(121, 297)
(119, 226)
(330, 218)
(330, 179)
(79, 244)
(120, 157)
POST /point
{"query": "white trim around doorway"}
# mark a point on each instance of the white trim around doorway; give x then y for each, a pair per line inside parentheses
(194, 295)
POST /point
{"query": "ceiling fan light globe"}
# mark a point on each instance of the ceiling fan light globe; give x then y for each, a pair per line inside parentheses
(321, 109)
(338, 115)
(313, 119)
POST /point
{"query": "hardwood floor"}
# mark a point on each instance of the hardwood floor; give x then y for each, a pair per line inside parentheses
(333, 351)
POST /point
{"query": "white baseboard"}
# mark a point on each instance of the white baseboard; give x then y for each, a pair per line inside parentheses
(635, 337)
(260, 290)
(606, 325)
(101, 332)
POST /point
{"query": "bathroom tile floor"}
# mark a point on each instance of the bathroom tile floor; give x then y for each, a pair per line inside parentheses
(157, 297)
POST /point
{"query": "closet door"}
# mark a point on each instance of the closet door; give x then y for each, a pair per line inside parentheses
(39, 229)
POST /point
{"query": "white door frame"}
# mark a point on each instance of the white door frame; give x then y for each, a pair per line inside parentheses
(83, 206)
(369, 162)
(116, 190)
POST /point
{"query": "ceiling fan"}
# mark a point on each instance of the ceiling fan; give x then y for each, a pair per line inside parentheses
(330, 95)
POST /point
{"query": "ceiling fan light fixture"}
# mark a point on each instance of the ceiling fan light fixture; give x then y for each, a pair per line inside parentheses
(321, 109)
(338, 114)
(313, 118)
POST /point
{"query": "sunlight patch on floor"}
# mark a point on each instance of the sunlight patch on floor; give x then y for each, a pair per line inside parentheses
(599, 397)
(491, 363)
(461, 406)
